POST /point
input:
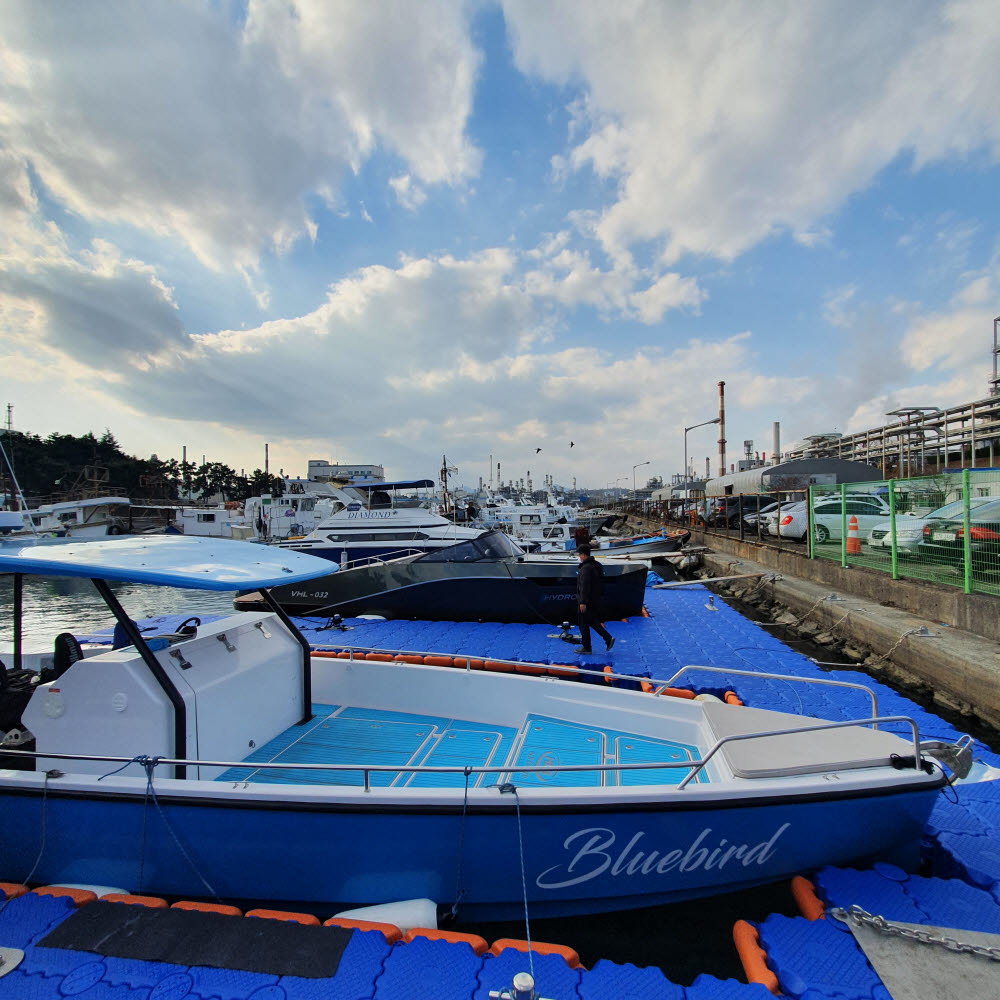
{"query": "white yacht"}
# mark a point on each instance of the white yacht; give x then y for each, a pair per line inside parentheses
(292, 515)
(378, 518)
(93, 518)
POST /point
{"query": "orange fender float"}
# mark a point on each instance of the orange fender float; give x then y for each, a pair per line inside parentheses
(390, 932)
(533, 669)
(809, 904)
(80, 897)
(221, 908)
(297, 918)
(474, 941)
(439, 661)
(571, 958)
(753, 957)
(150, 902)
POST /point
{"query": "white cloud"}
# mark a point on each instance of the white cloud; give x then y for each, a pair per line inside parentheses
(568, 277)
(101, 310)
(957, 339)
(397, 363)
(669, 291)
(724, 123)
(172, 119)
(411, 196)
(836, 306)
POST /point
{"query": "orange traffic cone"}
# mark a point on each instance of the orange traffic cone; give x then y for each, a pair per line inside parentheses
(853, 538)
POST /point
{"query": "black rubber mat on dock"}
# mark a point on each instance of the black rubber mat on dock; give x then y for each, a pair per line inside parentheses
(187, 937)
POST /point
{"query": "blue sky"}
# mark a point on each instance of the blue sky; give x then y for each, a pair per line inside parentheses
(382, 232)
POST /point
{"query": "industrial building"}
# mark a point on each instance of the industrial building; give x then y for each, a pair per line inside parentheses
(792, 477)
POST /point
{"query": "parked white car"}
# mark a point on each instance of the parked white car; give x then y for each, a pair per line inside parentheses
(910, 528)
(866, 507)
(779, 513)
(769, 508)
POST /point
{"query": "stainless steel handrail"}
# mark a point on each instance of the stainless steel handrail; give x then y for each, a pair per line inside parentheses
(775, 677)
(365, 769)
(663, 684)
(807, 729)
(695, 766)
(385, 557)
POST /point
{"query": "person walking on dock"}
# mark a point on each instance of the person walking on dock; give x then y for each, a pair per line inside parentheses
(589, 587)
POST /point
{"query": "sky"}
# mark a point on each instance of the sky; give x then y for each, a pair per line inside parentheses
(382, 232)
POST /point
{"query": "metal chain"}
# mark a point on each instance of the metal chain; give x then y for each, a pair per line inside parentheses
(861, 916)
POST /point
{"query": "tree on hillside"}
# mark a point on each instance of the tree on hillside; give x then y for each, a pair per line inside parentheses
(260, 482)
(49, 468)
(215, 478)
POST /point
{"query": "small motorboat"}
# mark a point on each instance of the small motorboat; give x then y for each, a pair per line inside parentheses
(488, 578)
(359, 778)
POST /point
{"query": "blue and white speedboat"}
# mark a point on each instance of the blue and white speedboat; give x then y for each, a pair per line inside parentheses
(231, 756)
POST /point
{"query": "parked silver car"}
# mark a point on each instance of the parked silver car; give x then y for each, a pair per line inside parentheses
(910, 528)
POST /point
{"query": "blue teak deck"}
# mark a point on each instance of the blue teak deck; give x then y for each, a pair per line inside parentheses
(366, 737)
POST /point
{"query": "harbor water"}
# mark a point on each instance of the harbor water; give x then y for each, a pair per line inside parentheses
(61, 604)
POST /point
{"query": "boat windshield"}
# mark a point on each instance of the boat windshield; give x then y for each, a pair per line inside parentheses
(489, 545)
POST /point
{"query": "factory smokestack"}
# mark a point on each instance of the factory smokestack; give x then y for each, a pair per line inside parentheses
(722, 428)
(776, 444)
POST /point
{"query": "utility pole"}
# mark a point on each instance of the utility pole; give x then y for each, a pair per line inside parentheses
(722, 428)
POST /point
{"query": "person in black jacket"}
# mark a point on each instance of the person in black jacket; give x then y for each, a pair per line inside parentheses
(589, 585)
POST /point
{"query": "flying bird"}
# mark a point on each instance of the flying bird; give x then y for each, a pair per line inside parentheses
(537, 450)
(571, 444)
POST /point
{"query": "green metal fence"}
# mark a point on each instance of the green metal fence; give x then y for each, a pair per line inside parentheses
(943, 528)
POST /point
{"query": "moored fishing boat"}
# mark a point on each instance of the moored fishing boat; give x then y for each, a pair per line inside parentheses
(344, 781)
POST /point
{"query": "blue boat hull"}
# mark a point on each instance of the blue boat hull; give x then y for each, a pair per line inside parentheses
(333, 856)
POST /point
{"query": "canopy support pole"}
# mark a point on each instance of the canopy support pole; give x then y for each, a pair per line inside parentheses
(18, 618)
(156, 669)
(306, 651)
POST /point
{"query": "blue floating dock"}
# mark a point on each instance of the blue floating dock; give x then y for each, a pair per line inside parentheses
(369, 969)
(813, 959)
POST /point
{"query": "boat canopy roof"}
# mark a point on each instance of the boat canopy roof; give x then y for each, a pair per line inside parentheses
(72, 504)
(402, 484)
(198, 563)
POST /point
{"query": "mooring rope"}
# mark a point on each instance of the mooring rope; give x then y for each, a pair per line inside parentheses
(149, 764)
(41, 845)
(459, 890)
(524, 878)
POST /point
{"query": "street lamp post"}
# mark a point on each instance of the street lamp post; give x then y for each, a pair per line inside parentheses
(638, 465)
(704, 423)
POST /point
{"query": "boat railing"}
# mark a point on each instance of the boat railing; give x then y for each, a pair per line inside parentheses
(659, 684)
(378, 560)
(694, 767)
(719, 744)
(772, 677)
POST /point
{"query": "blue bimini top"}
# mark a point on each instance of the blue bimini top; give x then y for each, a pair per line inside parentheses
(167, 560)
